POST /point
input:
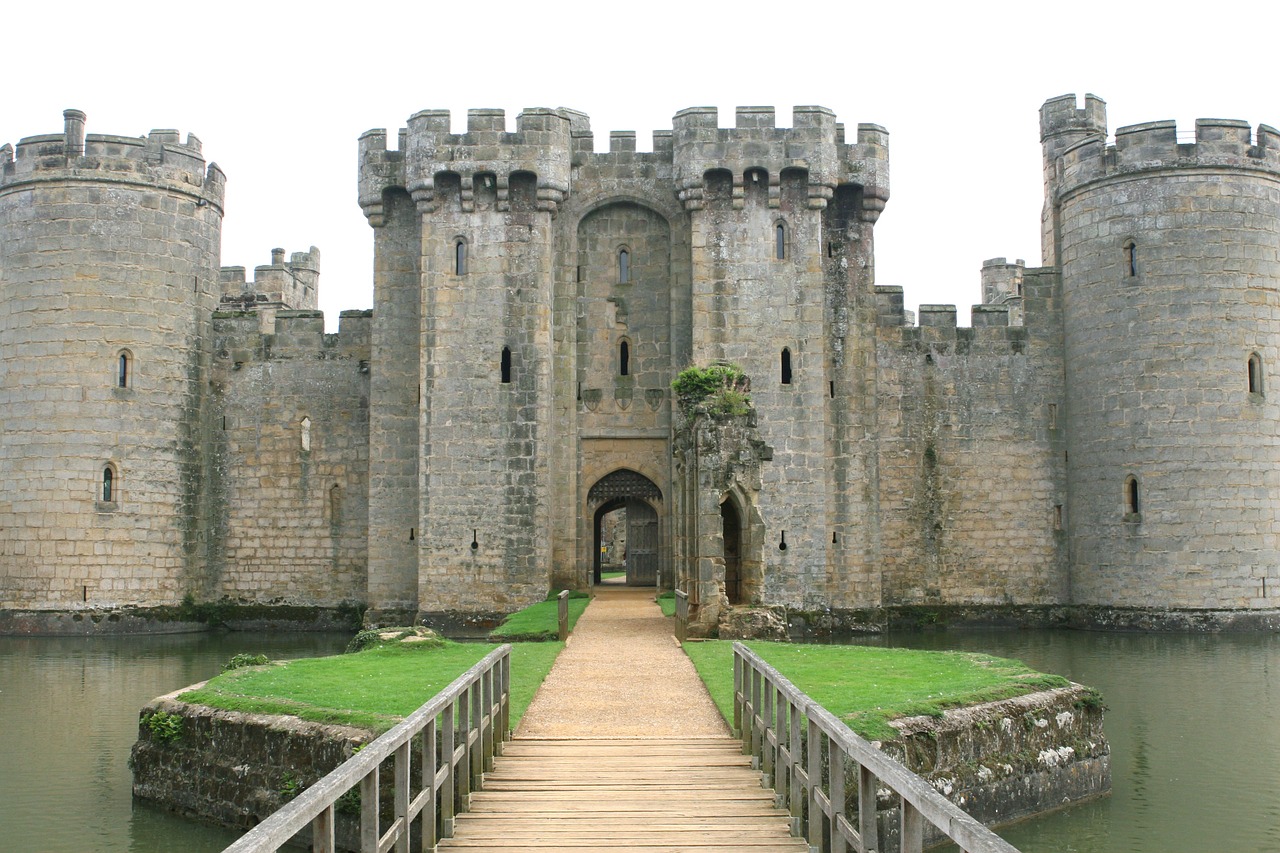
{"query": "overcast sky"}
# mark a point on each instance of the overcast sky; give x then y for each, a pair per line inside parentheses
(279, 92)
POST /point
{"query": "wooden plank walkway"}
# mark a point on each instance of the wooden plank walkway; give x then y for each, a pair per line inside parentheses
(622, 749)
(655, 796)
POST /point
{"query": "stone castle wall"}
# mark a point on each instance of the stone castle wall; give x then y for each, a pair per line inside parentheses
(289, 440)
(1170, 257)
(108, 263)
(972, 475)
(1101, 436)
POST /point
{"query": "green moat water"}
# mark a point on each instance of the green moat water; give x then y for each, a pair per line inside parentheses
(69, 716)
(1194, 725)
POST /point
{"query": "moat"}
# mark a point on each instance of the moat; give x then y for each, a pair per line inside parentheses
(1194, 725)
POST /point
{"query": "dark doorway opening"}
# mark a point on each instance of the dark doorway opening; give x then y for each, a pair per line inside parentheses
(626, 540)
(731, 525)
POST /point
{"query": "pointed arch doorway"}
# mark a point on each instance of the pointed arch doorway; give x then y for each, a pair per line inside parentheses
(625, 519)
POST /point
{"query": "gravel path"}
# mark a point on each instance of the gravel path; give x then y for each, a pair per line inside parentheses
(622, 675)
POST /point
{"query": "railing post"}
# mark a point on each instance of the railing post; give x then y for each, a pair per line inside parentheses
(813, 767)
(780, 769)
(488, 719)
(430, 809)
(322, 831)
(766, 720)
(868, 827)
(797, 791)
(449, 787)
(504, 666)
(912, 828)
(756, 727)
(738, 698)
(369, 812)
(401, 796)
(835, 780)
(562, 610)
(477, 726)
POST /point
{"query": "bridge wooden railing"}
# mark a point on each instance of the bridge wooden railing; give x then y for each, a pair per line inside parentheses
(682, 615)
(462, 727)
(777, 723)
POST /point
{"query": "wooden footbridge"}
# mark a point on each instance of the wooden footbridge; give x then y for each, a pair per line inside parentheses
(622, 750)
(658, 796)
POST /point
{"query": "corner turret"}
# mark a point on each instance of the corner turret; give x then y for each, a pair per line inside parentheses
(1063, 125)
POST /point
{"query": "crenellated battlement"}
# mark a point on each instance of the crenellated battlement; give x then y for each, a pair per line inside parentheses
(292, 284)
(990, 330)
(159, 159)
(240, 340)
(1060, 115)
(1158, 145)
(815, 143)
(432, 160)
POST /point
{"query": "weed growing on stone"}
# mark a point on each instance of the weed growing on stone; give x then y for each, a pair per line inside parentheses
(164, 727)
(720, 389)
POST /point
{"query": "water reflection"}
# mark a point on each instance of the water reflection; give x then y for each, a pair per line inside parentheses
(1194, 725)
(69, 710)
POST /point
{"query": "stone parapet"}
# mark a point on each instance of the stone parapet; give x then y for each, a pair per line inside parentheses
(159, 159)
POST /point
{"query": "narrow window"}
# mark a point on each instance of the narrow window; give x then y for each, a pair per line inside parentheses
(506, 365)
(1131, 505)
(122, 370)
(108, 484)
(1057, 516)
(335, 505)
(624, 266)
(460, 257)
(624, 359)
(1255, 374)
(780, 242)
(786, 367)
(304, 432)
(1130, 259)
(1053, 416)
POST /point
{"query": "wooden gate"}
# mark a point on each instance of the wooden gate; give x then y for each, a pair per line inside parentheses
(642, 544)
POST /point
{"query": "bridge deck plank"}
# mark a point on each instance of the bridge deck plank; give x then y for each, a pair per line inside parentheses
(631, 794)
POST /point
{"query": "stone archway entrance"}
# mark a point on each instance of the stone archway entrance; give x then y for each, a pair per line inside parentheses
(629, 500)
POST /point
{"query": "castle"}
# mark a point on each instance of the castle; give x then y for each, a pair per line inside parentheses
(1100, 440)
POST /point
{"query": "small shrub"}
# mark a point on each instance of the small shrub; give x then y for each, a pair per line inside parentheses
(364, 640)
(164, 727)
(720, 390)
(245, 659)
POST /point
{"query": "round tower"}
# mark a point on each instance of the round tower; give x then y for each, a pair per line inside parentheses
(109, 252)
(1170, 259)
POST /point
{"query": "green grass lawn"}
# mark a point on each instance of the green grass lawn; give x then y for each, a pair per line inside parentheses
(667, 602)
(866, 686)
(604, 576)
(540, 621)
(374, 688)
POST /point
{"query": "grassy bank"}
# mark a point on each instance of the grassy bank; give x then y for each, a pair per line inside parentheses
(539, 622)
(374, 688)
(867, 686)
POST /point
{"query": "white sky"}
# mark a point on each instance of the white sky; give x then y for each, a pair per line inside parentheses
(279, 92)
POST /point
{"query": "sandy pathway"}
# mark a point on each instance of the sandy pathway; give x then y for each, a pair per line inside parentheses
(622, 675)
